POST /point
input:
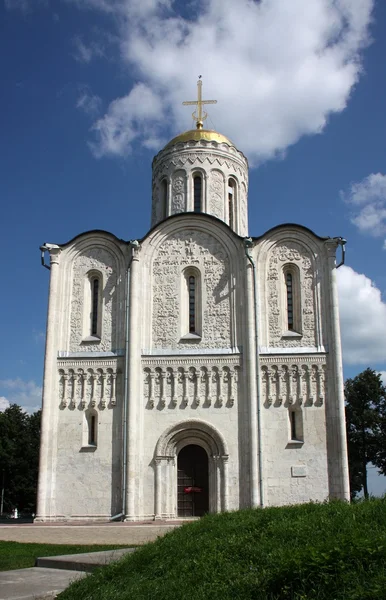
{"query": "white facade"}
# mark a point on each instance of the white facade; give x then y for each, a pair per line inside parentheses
(192, 338)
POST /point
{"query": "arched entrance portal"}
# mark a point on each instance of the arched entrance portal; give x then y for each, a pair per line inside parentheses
(199, 451)
(192, 481)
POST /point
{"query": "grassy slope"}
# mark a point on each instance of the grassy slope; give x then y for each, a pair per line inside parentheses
(14, 555)
(330, 551)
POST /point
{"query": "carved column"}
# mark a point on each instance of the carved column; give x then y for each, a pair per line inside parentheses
(335, 412)
(45, 496)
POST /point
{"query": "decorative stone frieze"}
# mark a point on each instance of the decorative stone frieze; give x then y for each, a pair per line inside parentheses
(291, 253)
(178, 251)
(216, 194)
(89, 384)
(287, 381)
(178, 383)
(99, 260)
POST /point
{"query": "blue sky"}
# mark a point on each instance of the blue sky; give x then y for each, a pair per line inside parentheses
(92, 89)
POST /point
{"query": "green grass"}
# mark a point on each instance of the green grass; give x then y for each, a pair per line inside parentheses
(14, 555)
(333, 551)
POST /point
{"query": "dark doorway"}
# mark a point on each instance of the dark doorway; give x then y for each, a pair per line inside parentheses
(193, 482)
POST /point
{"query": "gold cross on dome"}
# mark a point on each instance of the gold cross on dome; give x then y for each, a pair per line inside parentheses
(201, 114)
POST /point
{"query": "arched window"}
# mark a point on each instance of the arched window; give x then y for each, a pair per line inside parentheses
(292, 314)
(94, 305)
(197, 193)
(191, 304)
(290, 300)
(92, 308)
(231, 202)
(164, 198)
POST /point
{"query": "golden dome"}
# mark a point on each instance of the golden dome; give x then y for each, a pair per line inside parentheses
(195, 135)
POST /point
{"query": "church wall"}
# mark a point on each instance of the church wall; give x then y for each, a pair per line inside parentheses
(294, 374)
(216, 265)
(181, 377)
(94, 256)
(92, 485)
(294, 462)
(302, 254)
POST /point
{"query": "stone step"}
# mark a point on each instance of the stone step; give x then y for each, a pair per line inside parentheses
(82, 562)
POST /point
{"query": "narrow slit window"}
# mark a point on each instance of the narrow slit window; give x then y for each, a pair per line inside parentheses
(296, 424)
(94, 305)
(231, 188)
(92, 431)
(192, 303)
(293, 425)
(290, 301)
(197, 192)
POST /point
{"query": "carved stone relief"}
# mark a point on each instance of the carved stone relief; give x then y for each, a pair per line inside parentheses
(89, 385)
(181, 250)
(191, 158)
(191, 385)
(289, 383)
(216, 194)
(291, 252)
(178, 192)
(103, 261)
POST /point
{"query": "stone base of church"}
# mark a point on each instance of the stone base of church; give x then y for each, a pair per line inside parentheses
(73, 519)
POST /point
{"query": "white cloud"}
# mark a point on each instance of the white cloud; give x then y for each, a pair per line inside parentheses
(362, 318)
(85, 53)
(89, 103)
(368, 200)
(127, 119)
(4, 403)
(26, 394)
(278, 69)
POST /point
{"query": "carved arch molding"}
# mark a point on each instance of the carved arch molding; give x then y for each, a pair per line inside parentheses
(201, 433)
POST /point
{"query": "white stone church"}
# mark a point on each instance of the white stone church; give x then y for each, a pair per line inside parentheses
(196, 369)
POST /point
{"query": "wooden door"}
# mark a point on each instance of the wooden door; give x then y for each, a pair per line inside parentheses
(192, 465)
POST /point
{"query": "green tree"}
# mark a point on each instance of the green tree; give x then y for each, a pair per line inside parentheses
(365, 402)
(19, 458)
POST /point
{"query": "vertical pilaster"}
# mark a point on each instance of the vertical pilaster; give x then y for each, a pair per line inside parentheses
(49, 385)
(133, 478)
(335, 411)
(251, 387)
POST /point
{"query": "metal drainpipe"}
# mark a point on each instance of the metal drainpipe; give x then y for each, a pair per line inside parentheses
(342, 243)
(126, 386)
(247, 244)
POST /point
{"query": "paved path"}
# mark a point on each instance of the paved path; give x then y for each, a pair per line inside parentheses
(53, 574)
(103, 533)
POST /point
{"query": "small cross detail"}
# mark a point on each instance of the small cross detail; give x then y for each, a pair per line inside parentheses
(201, 115)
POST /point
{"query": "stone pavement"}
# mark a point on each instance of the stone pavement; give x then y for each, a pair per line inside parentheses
(86, 533)
(54, 573)
(35, 583)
